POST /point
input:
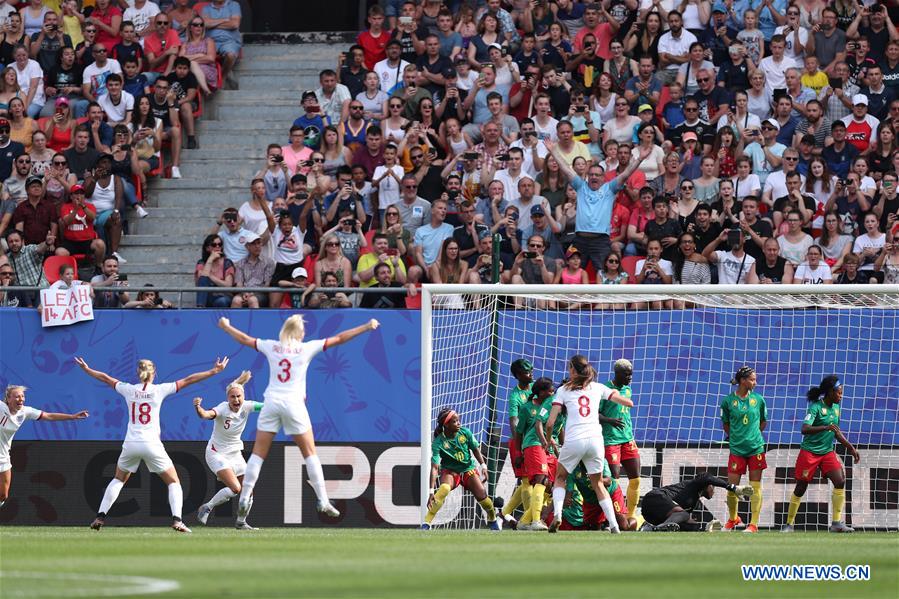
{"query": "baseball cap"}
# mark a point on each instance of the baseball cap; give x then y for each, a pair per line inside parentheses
(494, 45)
(689, 135)
(4, 122)
(308, 94)
(772, 123)
(537, 210)
(283, 213)
(484, 233)
(719, 7)
(449, 73)
(76, 189)
(859, 99)
(571, 252)
(250, 238)
(34, 179)
(62, 101)
(299, 271)
(644, 107)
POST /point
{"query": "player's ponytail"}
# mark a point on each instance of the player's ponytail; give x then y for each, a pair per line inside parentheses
(146, 370)
(540, 385)
(11, 388)
(582, 373)
(743, 373)
(828, 384)
(442, 417)
(239, 382)
(293, 331)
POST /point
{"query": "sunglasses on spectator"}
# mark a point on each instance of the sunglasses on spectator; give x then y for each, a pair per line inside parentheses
(59, 163)
(196, 24)
(410, 186)
(792, 13)
(791, 158)
(164, 23)
(612, 261)
(356, 108)
(396, 105)
(100, 51)
(535, 245)
(318, 160)
(217, 244)
(690, 109)
(331, 244)
(686, 187)
(417, 156)
(392, 214)
(702, 79)
(230, 217)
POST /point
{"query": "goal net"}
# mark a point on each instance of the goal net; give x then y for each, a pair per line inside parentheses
(686, 343)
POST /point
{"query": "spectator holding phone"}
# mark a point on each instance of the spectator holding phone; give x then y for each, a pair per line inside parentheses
(381, 255)
(110, 277)
(734, 266)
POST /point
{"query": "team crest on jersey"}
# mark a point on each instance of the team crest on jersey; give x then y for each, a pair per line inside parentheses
(752, 402)
(824, 411)
(735, 403)
(733, 465)
(543, 467)
(461, 438)
(836, 411)
(533, 412)
(805, 473)
(445, 445)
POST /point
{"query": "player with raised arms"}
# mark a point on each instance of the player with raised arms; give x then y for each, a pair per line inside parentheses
(618, 434)
(523, 371)
(223, 452)
(819, 429)
(285, 402)
(143, 441)
(670, 508)
(534, 458)
(744, 417)
(581, 396)
(14, 413)
(456, 459)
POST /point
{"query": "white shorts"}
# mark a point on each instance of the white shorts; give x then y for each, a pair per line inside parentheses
(588, 451)
(152, 454)
(291, 416)
(232, 460)
(5, 465)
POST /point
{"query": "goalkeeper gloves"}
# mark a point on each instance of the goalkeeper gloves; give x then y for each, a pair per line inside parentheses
(746, 491)
(483, 469)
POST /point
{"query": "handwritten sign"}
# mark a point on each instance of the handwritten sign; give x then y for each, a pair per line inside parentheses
(61, 306)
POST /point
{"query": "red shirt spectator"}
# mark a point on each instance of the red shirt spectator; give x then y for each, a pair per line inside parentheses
(635, 181)
(106, 15)
(620, 218)
(157, 46)
(81, 229)
(373, 46)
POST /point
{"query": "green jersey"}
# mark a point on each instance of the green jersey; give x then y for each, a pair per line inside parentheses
(455, 453)
(612, 435)
(820, 415)
(528, 416)
(582, 483)
(744, 415)
(559, 426)
(517, 397)
(573, 513)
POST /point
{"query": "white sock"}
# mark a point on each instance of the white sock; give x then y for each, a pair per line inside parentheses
(176, 499)
(317, 477)
(558, 502)
(1, 503)
(609, 511)
(254, 465)
(223, 496)
(112, 493)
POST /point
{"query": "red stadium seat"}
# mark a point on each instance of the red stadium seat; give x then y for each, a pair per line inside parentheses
(53, 264)
(629, 265)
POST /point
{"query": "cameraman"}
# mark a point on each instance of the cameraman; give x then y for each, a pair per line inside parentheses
(734, 266)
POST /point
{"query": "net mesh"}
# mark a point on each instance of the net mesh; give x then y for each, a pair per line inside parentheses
(684, 359)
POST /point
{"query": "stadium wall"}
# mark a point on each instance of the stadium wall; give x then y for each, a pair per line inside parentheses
(364, 402)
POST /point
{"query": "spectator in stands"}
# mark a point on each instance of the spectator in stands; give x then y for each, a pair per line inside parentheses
(161, 47)
(427, 238)
(229, 228)
(813, 270)
(83, 50)
(49, 40)
(27, 263)
(149, 299)
(352, 129)
(76, 217)
(40, 153)
(861, 127)
(130, 47)
(184, 85)
(851, 274)
(331, 259)
(398, 236)
(297, 154)
(95, 73)
(116, 103)
(868, 245)
(449, 268)
(383, 277)
(333, 97)
(530, 267)
(256, 213)
(348, 231)
(887, 263)
(9, 149)
(328, 299)
(755, 229)
(850, 203)
(200, 50)
(22, 126)
(109, 277)
(14, 34)
(61, 127)
(351, 71)
(274, 173)
(106, 193)
(223, 26)
(381, 254)
(840, 154)
(31, 81)
(773, 268)
(468, 233)
(374, 40)
(255, 270)
(14, 185)
(299, 280)
(36, 217)
(181, 14)
(213, 270)
(663, 229)
(288, 250)
(482, 270)
(7, 300)
(734, 266)
(312, 121)
(414, 210)
(108, 20)
(391, 68)
(81, 157)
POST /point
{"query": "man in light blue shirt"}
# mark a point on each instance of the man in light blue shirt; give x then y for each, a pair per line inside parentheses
(223, 26)
(595, 201)
(428, 240)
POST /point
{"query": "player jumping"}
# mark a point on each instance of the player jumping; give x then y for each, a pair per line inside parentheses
(583, 435)
(142, 441)
(744, 417)
(820, 428)
(223, 452)
(456, 459)
(523, 371)
(670, 508)
(13, 413)
(618, 434)
(285, 402)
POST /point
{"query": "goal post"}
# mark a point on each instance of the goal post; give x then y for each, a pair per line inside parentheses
(685, 342)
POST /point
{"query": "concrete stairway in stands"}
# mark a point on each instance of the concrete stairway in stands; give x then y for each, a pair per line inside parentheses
(164, 247)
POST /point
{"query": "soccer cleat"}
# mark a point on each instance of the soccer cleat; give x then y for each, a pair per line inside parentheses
(243, 508)
(495, 525)
(714, 526)
(176, 172)
(203, 513)
(615, 531)
(140, 211)
(179, 526)
(647, 527)
(511, 522)
(539, 526)
(840, 526)
(327, 509)
(751, 528)
(732, 524)
(98, 523)
(244, 526)
(554, 527)
(667, 527)
(787, 528)
(426, 526)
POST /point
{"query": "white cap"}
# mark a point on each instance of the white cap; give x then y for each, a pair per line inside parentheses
(249, 238)
(859, 99)
(299, 271)
(773, 123)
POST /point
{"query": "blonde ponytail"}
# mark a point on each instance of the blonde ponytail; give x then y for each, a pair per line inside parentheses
(145, 370)
(293, 331)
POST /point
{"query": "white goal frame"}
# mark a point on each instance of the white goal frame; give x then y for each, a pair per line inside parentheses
(795, 296)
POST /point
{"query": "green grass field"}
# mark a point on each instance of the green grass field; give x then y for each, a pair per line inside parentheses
(292, 562)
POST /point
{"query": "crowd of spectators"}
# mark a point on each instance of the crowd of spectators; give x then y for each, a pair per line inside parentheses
(626, 141)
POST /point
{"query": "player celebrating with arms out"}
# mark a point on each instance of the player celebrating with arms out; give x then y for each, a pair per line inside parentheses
(143, 440)
(523, 371)
(581, 396)
(285, 402)
(14, 413)
(618, 434)
(744, 417)
(456, 459)
(820, 428)
(223, 452)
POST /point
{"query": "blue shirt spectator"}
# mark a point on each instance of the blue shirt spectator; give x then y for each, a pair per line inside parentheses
(594, 206)
(227, 41)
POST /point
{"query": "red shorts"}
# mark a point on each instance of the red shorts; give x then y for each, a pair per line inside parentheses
(615, 454)
(458, 479)
(592, 516)
(807, 464)
(566, 525)
(514, 453)
(552, 463)
(618, 504)
(535, 462)
(738, 464)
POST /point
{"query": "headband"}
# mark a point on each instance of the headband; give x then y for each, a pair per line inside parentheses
(449, 417)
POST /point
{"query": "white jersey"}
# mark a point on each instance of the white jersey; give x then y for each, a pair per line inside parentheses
(9, 425)
(229, 426)
(583, 410)
(287, 367)
(144, 402)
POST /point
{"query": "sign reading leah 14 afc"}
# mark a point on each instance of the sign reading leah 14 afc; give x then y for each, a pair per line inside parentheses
(62, 305)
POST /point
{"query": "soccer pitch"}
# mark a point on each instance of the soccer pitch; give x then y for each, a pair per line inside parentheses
(292, 562)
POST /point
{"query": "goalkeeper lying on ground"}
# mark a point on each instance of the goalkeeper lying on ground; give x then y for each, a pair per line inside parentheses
(669, 509)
